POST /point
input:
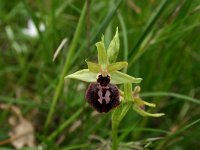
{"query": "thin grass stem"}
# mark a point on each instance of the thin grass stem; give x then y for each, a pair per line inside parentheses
(71, 52)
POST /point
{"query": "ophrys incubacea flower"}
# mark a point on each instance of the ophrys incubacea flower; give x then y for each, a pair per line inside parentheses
(102, 93)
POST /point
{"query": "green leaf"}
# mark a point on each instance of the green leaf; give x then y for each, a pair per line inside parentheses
(117, 66)
(119, 113)
(120, 78)
(113, 48)
(93, 67)
(83, 75)
(128, 94)
(144, 113)
(102, 55)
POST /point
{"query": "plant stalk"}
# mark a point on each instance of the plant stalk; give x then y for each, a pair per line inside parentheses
(115, 125)
(115, 139)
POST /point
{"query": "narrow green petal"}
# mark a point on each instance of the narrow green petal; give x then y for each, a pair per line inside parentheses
(102, 55)
(120, 78)
(93, 67)
(141, 102)
(144, 113)
(113, 48)
(83, 75)
(117, 66)
(128, 96)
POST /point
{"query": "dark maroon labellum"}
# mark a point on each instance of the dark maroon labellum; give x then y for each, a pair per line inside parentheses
(102, 96)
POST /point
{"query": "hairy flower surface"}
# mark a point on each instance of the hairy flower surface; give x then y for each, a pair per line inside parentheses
(102, 95)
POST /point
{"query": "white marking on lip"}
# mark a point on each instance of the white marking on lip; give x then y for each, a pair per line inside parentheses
(106, 97)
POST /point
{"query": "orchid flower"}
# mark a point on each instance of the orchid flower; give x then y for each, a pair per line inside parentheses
(102, 93)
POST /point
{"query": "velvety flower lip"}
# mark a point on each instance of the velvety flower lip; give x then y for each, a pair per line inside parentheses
(102, 98)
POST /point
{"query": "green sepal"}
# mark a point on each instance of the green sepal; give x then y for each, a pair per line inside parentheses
(93, 67)
(117, 66)
(113, 48)
(102, 55)
(83, 75)
(144, 113)
(120, 78)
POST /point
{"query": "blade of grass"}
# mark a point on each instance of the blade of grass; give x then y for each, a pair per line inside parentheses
(127, 130)
(53, 21)
(62, 7)
(106, 21)
(77, 146)
(184, 128)
(183, 12)
(11, 100)
(124, 34)
(178, 132)
(176, 34)
(148, 28)
(100, 30)
(71, 51)
(179, 96)
(131, 129)
(65, 124)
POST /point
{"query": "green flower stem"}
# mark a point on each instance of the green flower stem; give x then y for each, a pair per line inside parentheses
(114, 135)
(117, 115)
(66, 65)
(115, 124)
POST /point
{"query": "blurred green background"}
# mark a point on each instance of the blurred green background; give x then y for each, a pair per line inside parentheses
(159, 39)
